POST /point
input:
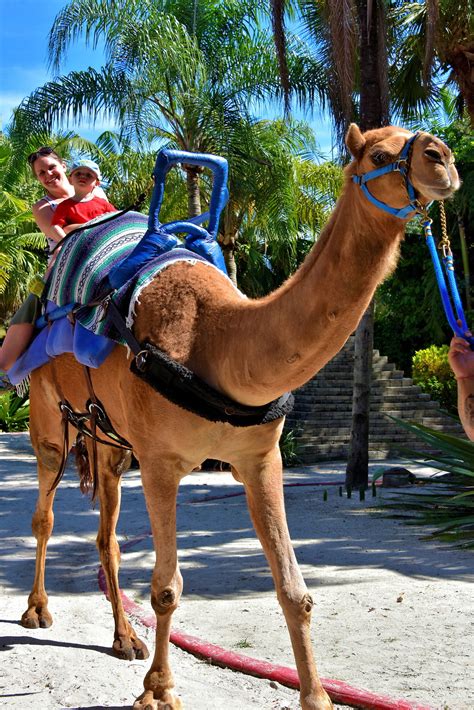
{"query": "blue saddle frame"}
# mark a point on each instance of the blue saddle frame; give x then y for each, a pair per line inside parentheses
(160, 237)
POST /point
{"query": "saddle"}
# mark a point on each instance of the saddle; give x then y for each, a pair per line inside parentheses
(76, 294)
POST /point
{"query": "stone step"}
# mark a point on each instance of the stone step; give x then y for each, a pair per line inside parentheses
(336, 395)
(322, 416)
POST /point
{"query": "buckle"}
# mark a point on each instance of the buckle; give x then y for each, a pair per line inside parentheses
(397, 166)
(141, 360)
(94, 407)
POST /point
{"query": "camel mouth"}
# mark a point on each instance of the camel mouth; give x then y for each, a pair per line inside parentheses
(440, 193)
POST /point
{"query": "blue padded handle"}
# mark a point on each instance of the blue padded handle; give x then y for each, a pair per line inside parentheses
(164, 162)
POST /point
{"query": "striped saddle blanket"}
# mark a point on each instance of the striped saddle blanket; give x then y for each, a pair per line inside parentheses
(78, 277)
(86, 259)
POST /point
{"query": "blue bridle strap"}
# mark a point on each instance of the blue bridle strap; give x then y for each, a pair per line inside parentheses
(401, 165)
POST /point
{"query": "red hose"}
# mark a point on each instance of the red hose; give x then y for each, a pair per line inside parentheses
(338, 691)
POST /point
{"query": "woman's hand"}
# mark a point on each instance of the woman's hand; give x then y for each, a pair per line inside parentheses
(461, 357)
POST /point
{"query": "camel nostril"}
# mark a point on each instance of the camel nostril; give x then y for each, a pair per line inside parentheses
(433, 154)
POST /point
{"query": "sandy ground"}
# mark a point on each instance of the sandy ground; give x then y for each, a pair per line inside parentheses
(393, 613)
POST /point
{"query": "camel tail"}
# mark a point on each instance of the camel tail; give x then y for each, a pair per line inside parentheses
(87, 475)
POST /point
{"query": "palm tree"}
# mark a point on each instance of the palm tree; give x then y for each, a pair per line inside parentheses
(179, 72)
(21, 245)
(432, 40)
(279, 200)
(183, 74)
(350, 41)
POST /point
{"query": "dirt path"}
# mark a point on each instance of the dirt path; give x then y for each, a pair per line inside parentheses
(393, 614)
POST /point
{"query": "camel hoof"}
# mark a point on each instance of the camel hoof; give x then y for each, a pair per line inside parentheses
(146, 701)
(33, 619)
(321, 702)
(130, 650)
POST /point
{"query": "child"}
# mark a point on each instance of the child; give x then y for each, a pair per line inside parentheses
(68, 215)
(84, 205)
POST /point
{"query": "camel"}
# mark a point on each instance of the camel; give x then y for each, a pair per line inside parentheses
(252, 351)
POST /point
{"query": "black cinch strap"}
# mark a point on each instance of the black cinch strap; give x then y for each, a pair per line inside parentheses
(182, 387)
(185, 389)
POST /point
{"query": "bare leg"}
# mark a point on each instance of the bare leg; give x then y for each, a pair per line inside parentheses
(15, 343)
(49, 458)
(111, 463)
(263, 486)
(166, 588)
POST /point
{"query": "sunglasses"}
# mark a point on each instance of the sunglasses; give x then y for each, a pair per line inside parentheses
(41, 152)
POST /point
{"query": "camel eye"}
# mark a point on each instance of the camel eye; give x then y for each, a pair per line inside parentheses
(378, 157)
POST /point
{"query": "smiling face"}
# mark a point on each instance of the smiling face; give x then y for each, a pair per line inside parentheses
(51, 173)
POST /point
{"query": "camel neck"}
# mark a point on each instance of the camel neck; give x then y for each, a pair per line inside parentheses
(288, 336)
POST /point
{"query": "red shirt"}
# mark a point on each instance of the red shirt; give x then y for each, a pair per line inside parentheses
(72, 212)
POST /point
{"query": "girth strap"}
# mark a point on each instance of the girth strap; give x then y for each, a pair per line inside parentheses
(183, 387)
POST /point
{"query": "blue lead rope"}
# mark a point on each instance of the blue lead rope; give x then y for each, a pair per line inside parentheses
(448, 291)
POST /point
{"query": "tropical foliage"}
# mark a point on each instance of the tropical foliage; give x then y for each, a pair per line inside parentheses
(432, 372)
(14, 412)
(433, 43)
(450, 511)
(21, 245)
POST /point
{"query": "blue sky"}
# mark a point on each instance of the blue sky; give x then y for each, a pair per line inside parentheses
(24, 28)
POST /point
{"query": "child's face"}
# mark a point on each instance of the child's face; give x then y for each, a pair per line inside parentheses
(83, 179)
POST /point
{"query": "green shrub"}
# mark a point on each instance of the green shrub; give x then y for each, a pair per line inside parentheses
(289, 448)
(14, 412)
(431, 371)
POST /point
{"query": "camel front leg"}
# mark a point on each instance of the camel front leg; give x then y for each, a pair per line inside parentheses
(111, 463)
(49, 459)
(264, 489)
(166, 588)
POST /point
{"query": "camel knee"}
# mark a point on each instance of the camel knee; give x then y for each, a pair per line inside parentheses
(48, 455)
(298, 607)
(165, 601)
(42, 524)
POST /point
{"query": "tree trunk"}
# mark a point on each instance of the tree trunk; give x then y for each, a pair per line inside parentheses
(373, 114)
(229, 257)
(194, 196)
(461, 60)
(465, 261)
(357, 470)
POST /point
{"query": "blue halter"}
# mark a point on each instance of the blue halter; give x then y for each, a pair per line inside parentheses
(447, 287)
(402, 166)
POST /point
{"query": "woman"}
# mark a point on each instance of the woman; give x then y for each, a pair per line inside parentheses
(50, 169)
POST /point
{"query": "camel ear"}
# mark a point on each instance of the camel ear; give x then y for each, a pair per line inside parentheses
(355, 141)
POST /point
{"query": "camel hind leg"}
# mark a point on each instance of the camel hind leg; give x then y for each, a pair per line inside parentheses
(264, 489)
(111, 464)
(48, 454)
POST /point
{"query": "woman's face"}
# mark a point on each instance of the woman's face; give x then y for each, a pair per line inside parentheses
(50, 172)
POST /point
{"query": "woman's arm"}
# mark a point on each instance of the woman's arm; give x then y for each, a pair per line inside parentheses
(43, 215)
(461, 359)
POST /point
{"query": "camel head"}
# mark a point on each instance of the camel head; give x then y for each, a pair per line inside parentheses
(400, 170)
